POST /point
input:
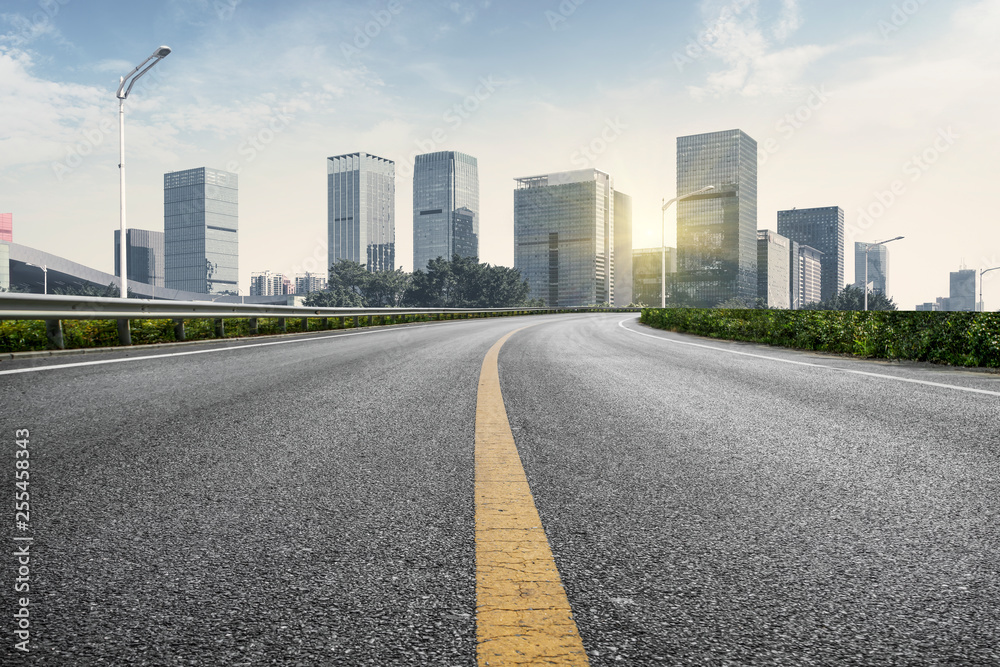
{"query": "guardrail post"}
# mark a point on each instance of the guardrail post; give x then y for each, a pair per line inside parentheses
(124, 332)
(179, 333)
(220, 328)
(325, 323)
(283, 323)
(54, 332)
(305, 324)
(254, 326)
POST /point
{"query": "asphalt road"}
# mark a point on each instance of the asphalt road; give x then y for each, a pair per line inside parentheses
(311, 503)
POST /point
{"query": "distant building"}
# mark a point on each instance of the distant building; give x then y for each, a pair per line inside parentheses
(445, 202)
(623, 250)
(4, 266)
(200, 227)
(564, 237)
(806, 276)
(647, 264)
(963, 291)
(145, 256)
(309, 282)
(361, 211)
(822, 229)
(930, 306)
(774, 262)
(7, 227)
(943, 304)
(878, 267)
(717, 230)
(265, 283)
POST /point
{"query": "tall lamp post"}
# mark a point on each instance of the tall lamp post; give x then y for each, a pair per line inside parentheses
(123, 92)
(45, 276)
(981, 305)
(663, 241)
(869, 246)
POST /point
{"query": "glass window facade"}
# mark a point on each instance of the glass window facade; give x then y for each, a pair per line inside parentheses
(717, 230)
(564, 237)
(822, 229)
(145, 256)
(361, 210)
(445, 202)
(623, 250)
(962, 296)
(200, 227)
(878, 267)
(806, 275)
(646, 269)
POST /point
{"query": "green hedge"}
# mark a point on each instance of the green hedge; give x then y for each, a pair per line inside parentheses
(960, 339)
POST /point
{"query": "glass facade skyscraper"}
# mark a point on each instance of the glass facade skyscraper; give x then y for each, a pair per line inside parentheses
(361, 210)
(145, 256)
(564, 236)
(774, 261)
(822, 229)
(717, 230)
(646, 271)
(623, 249)
(962, 296)
(878, 267)
(445, 201)
(200, 236)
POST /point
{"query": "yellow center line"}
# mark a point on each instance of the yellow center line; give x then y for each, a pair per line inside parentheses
(522, 614)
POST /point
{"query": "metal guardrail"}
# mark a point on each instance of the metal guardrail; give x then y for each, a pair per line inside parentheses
(53, 309)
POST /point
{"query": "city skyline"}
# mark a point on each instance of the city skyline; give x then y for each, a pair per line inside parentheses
(837, 99)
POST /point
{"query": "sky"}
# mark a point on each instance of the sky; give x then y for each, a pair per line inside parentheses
(885, 108)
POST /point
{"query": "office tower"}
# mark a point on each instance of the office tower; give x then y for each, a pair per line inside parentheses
(623, 249)
(774, 262)
(200, 237)
(361, 210)
(145, 252)
(564, 237)
(878, 267)
(963, 291)
(822, 229)
(445, 202)
(7, 227)
(717, 230)
(806, 275)
(265, 283)
(930, 306)
(309, 282)
(646, 270)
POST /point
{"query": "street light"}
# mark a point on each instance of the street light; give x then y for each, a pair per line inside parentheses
(130, 78)
(982, 306)
(663, 241)
(869, 246)
(45, 276)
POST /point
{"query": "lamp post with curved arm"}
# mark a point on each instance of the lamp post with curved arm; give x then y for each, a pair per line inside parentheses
(123, 92)
(869, 246)
(982, 272)
(663, 241)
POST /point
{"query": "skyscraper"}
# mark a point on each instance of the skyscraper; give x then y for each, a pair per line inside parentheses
(445, 201)
(823, 230)
(145, 256)
(623, 249)
(717, 230)
(774, 262)
(962, 295)
(200, 230)
(564, 237)
(646, 270)
(7, 227)
(878, 267)
(806, 275)
(361, 210)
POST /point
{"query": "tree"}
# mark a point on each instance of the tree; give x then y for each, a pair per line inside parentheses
(464, 282)
(113, 290)
(852, 298)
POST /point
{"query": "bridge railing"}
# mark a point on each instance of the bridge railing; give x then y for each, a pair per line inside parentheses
(54, 309)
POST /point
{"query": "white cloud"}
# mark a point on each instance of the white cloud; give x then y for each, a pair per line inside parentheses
(754, 63)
